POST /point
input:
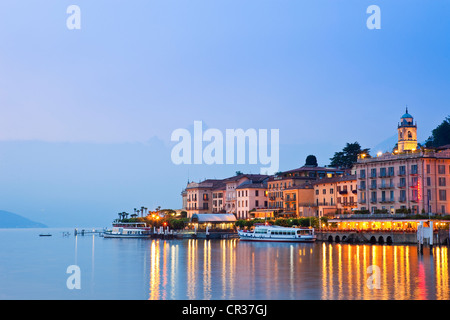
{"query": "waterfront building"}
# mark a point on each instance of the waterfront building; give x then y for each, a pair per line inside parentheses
(299, 201)
(407, 180)
(233, 183)
(251, 196)
(335, 195)
(219, 194)
(214, 222)
(199, 196)
(296, 177)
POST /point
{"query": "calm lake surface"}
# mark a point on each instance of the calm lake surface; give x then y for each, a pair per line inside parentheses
(33, 267)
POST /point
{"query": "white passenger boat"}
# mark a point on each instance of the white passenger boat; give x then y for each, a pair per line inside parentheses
(128, 230)
(278, 234)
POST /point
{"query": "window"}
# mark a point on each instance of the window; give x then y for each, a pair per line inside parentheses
(402, 170)
(442, 195)
(331, 191)
(441, 182)
(256, 193)
(362, 173)
(373, 173)
(382, 172)
(428, 181)
(414, 169)
(373, 197)
(402, 196)
(441, 169)
(428, 169)
(256, 203)
(390, 171)
(324, 191)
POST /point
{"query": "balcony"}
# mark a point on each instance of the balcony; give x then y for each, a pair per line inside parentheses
(361, 187)
(362, 201)
(386, 200)
(343, 191)
(401, 173)
(386, 186)
(372, 186)
(401, 185)
(361, 176)
(349, 204)
(373, 200)
(402, 199)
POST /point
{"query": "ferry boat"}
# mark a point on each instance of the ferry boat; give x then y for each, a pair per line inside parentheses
(278, 234)
(128, 230)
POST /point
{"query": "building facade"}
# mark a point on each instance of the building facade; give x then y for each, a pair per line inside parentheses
(335, 195)
(408, 180)
(251, 196)
(292, 178)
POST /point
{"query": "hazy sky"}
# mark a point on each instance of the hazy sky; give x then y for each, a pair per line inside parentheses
(86, 115)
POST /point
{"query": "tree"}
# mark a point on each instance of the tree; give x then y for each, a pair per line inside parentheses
(348, 156)
(440, 135)
(311, 161)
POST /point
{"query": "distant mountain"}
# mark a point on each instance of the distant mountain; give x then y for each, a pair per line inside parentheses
(12, 220)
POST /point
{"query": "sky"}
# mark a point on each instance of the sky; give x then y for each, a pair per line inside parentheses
(86, 115)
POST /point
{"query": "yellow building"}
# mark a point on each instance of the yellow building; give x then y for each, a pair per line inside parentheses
(299, 200)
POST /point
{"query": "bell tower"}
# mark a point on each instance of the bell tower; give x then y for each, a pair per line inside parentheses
(407, 133)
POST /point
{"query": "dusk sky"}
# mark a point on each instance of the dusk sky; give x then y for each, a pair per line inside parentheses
(87, 115)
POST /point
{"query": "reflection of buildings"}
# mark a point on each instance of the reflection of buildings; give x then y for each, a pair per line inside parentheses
(418, 180)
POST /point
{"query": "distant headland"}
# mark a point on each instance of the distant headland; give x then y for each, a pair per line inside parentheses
(12, 220)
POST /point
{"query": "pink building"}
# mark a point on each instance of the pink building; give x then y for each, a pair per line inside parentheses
(406, 180)
(251, 196)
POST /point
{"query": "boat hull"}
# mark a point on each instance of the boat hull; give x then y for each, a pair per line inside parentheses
(275, 240)
(250, 237)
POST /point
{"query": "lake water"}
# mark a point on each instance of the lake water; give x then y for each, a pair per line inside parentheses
(33, 267)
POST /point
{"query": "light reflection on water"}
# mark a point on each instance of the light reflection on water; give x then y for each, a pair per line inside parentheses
(229, 269)
(35, 268)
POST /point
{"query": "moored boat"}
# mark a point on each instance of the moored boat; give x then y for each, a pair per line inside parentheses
(128, 230)
(278, 234)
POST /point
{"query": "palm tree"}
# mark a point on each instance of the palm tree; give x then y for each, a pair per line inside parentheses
(142, 211)
(120, 216)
